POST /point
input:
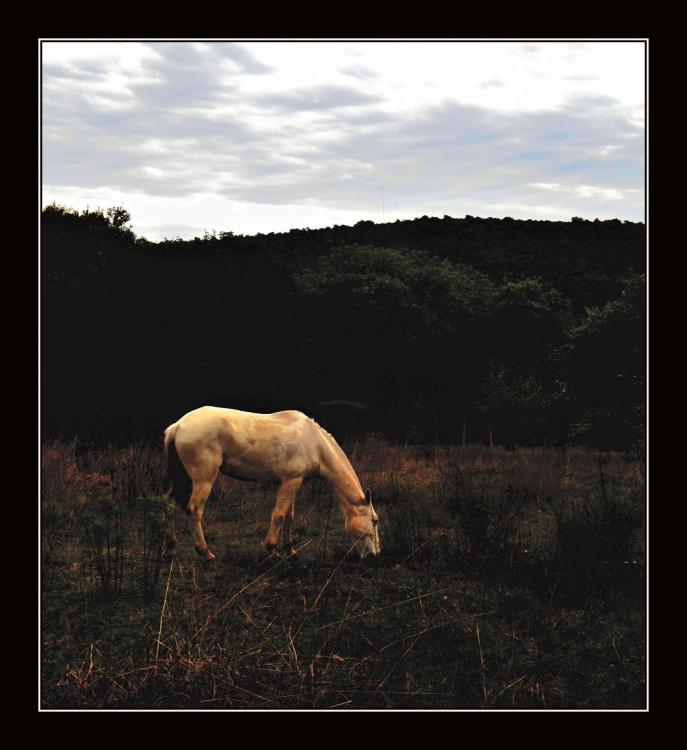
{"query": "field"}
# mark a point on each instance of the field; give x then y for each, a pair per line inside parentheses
(507, 580)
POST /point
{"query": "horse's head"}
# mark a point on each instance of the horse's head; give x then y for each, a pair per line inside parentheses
(362, 524)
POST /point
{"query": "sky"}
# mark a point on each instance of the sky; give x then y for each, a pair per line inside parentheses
(268, 136)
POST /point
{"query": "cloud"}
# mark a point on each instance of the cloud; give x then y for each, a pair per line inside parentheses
(185, 121)
(317, 98)
(82, 71)
(492, 83)
(528, 49)
(183, 76)
(170, 231)
(240, 56)
(207, 55)
(360, 71)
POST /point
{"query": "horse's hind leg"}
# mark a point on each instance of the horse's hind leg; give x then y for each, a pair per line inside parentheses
(282, 515)
(180, 491)
(201, 492)
(194, 511)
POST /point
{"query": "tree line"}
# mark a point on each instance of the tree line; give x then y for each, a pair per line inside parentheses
(423, 331)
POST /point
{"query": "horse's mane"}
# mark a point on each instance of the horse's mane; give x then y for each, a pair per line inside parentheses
(337, 452)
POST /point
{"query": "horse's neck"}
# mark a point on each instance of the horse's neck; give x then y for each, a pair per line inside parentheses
(336, 467)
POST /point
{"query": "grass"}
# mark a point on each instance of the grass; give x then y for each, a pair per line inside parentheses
(506, 580)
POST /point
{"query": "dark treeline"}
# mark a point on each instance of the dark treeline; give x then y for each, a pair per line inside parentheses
(524, 332)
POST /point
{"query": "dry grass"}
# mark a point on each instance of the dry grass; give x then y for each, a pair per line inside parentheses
(503, 583)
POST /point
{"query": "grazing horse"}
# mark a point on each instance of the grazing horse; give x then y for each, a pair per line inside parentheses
(285, 447)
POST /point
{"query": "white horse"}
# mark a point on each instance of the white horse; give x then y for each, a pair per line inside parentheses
(284, 447)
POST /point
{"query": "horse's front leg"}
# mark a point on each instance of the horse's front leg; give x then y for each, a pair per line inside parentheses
(287, 541)
(282, 516)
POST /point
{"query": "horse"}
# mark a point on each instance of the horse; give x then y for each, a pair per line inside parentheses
(284, 447)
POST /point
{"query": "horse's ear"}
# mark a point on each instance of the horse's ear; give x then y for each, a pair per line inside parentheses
(368, 496)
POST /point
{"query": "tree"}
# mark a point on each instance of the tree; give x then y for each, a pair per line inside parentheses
(514, 404)
(108, 224)
(339, 415)
(606, 360)
(431, 288)
(118, 216)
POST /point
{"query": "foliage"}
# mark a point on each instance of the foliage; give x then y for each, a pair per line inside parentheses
(606, 361)
(105, 539)
(432, 287)
(405, 317)
(110, 223)
(514, 403)
(527, 295)
(413, 415)
(154, 514)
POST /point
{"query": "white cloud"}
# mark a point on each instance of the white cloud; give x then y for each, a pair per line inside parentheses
(587, 191)
(313, 131)
(547, 186)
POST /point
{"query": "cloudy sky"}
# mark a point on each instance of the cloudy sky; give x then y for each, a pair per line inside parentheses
(268, 136)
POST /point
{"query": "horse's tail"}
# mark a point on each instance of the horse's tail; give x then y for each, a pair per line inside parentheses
(181, 481)
(170, 435)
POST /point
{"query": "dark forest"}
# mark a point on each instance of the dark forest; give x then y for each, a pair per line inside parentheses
(418, 332)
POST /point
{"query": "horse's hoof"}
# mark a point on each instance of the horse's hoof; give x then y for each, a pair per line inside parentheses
(268, 554)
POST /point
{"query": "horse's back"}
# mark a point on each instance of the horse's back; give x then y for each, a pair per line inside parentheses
(207, 415)
(249, 445)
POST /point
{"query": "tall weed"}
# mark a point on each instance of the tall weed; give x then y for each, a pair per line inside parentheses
(105, 540)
